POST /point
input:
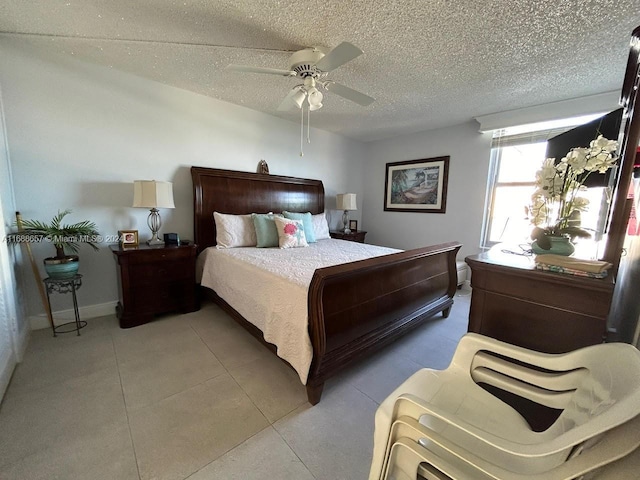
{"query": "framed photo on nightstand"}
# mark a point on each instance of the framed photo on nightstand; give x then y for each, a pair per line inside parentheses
(353, 225)
(128, 238)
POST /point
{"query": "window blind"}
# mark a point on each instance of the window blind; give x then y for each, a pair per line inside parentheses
(501, 140)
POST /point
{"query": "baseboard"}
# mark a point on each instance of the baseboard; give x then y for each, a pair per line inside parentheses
(6, 370)
(41, 321)
(22, 341)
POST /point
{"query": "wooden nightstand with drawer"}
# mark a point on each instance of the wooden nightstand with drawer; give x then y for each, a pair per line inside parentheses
(153, 280)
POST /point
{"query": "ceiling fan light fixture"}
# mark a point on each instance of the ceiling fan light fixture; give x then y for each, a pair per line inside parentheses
(313, 108)
(298, 97)
(315, 98)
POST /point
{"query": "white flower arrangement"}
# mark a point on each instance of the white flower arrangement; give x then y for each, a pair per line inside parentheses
(556, 203)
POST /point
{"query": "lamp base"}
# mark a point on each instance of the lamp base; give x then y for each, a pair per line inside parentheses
(154, 223)
(345, 222)
(155, 242)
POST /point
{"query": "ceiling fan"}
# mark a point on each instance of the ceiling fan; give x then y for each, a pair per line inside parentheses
(312, 65)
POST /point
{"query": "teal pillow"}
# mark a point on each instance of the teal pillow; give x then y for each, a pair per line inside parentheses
(307, 224)
(266, 232)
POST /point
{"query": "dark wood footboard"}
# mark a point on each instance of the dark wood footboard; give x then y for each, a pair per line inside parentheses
(357, 308)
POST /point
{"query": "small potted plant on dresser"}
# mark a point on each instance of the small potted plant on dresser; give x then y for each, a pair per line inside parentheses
(65, 238)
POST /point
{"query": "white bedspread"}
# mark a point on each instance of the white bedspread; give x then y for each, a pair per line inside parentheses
(269, 288)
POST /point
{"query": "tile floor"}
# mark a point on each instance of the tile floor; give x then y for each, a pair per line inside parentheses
(195, 396)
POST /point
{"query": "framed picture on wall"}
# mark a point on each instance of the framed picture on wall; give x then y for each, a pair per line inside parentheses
(353, 225)
(417, 185)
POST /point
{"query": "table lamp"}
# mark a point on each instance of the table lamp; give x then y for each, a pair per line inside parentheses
(346, 202)
(153, 195)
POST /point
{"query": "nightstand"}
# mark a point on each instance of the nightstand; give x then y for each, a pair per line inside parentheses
(351, 237)
(153, 280)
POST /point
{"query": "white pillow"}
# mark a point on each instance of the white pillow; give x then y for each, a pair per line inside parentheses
(290, 233)
(320, 226)
(234, 230)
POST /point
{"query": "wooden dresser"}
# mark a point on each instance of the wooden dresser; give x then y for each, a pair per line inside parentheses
(153, 280)
(544, 311)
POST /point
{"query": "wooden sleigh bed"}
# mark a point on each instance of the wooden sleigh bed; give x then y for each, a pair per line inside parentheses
(354, 309)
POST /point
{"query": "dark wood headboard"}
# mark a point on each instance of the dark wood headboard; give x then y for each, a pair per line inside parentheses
(229, 191)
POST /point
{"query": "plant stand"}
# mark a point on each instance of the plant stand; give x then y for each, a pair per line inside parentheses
(64, 286)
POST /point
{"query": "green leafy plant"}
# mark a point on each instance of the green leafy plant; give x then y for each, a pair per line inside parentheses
(556, 203)
(65, 238)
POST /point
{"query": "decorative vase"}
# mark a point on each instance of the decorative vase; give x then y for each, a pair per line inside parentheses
(62, 267)
(559, 246)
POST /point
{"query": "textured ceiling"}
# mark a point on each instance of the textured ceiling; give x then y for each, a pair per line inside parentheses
(428, 63)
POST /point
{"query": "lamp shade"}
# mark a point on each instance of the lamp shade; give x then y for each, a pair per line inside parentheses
(346, 201)
(152, 194)
(314, 97)
(298, 97)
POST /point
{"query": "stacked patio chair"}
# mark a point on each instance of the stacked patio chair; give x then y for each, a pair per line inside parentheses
(449, 424)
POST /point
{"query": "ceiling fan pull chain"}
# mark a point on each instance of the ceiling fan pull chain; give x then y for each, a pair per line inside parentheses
(308, 125)
(301, 130)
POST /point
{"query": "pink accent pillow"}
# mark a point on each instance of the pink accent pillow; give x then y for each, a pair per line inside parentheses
(290, 233)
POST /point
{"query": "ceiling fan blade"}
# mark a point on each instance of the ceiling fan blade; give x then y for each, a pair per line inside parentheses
(288, 103)
(270, 71)
(349, 93)
(343, 53)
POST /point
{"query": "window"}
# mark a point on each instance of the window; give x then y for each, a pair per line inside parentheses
(516, 155)
(514, 168)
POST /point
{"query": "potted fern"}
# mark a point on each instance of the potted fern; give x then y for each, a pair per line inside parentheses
(65, 238)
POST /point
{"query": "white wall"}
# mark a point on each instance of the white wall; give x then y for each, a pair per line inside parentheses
(468, 168)
(79, 134)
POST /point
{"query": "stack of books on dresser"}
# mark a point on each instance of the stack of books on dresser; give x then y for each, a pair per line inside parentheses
(572, 266)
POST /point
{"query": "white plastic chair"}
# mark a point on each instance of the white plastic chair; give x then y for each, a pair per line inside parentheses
(597, 388)
(416, 449)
